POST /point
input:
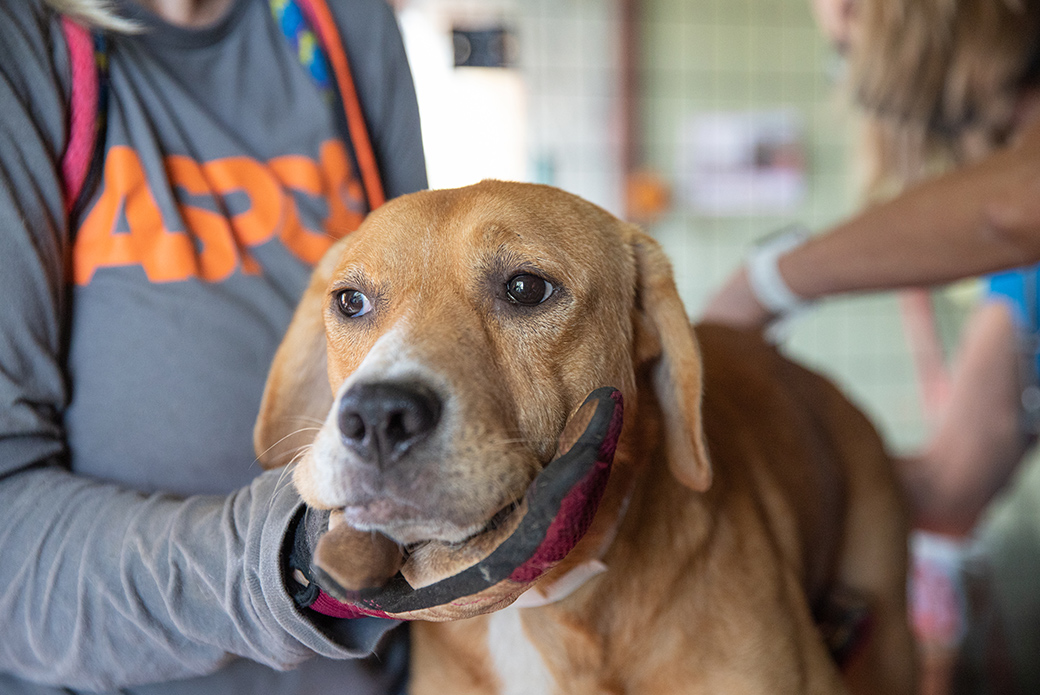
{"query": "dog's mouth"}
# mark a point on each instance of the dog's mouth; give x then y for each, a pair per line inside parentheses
(434, 550)
(412, 522)
(500, 518)
(432, 560)
(497, 521)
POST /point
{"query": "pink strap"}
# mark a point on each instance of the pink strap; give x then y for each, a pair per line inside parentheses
(75, 163)
(326, 605)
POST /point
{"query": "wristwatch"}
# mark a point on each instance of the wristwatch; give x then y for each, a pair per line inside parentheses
(764, 276)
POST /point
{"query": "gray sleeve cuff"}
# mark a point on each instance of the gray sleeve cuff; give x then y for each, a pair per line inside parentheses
(337, 638)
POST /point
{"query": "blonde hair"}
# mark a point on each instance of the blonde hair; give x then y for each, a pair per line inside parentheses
(94, 13)
(938, 80)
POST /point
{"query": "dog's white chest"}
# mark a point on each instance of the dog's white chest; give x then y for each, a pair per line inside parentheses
(520, 667)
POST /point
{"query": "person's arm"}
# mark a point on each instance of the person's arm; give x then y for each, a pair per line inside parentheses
(386, 92)
(977, 219)
(102, 587)
(105, 588)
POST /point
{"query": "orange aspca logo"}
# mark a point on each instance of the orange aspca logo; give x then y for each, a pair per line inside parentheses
(216, 244)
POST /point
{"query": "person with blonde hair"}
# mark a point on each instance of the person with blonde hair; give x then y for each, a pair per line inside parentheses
(153, 246)
(949, 91)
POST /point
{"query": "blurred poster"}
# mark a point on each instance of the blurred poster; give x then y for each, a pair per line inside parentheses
(743, 163)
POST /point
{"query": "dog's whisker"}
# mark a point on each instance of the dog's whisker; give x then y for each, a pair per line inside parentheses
(301, 430)
(285, 476)
(310, 419)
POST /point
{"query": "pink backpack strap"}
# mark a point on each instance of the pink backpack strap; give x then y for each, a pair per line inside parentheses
(83, 107)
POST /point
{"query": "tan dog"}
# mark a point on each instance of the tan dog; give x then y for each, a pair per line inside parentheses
(462, 327)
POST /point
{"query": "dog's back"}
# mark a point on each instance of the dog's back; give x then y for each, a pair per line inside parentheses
(812, 473)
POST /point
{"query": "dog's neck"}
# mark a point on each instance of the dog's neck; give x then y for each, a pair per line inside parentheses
(585, 561)
(640, 444)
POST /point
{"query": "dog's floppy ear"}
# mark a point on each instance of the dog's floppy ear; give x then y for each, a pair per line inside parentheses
(297, 396)
(663, 334)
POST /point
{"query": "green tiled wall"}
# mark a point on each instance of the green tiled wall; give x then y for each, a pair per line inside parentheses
(735, 55)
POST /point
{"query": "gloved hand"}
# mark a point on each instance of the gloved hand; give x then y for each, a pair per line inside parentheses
(347, 573)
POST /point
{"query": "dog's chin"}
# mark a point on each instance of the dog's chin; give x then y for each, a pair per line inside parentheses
(402, 525)
(405, 530)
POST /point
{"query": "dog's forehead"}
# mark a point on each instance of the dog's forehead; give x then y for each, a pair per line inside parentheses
(469, 226)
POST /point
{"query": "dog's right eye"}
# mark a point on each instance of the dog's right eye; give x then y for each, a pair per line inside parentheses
(352, 303)
(528, 289)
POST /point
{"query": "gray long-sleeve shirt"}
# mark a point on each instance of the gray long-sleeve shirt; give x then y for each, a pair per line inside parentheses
(140, 547)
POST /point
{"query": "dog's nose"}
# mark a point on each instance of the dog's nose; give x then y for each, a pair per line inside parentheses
(381, 421)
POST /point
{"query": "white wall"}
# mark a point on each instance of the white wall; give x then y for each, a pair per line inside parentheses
(551, 119)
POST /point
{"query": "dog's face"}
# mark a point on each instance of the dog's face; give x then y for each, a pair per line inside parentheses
(462, 327)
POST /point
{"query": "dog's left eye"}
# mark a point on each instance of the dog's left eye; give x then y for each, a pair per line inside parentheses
(528, 289)
(352, 303)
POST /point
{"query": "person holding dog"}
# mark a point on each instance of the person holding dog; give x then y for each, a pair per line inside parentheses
(144, 297)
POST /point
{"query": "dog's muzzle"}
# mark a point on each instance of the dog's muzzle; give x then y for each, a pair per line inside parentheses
(492, 569)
